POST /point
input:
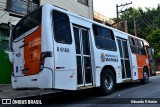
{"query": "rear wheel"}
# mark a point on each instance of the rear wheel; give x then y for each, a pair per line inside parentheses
(145, 79)
(107, 82)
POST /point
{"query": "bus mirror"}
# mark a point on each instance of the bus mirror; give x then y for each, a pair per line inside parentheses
(152, 51)
(10, 37)
(11, 57)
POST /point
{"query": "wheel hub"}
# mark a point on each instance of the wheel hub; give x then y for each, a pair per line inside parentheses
(146, 76)
(108, 82)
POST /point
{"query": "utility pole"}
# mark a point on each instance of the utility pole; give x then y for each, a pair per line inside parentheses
(135, 26)
(120, 11)
(29, 6)
(126, 26)
(117, 16)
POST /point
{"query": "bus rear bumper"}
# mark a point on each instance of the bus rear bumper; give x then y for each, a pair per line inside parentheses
(42, 80)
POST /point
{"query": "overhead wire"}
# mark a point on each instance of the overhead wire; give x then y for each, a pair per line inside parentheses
(142, 31)
(146, 20)
(146, 24)
(153, 23)
(150, 24)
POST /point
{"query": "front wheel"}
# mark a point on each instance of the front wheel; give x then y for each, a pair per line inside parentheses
(107, 82)
(145, 79)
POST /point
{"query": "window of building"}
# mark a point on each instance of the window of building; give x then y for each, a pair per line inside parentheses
(104, 38)
(85, 2)
(61, 29)
(132, 45)
(4, 32)
(4, 45)
(4, 39)
(22, 6)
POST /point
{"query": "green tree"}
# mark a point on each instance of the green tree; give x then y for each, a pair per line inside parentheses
(148, 26)
(147, 21)
(154, 41)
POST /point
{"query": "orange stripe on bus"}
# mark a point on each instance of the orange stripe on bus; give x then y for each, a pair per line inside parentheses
(141, 62)
(32, 52)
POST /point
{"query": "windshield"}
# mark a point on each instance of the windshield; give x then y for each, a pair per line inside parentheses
(29, 22)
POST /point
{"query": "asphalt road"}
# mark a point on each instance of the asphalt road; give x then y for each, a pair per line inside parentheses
(124, 93)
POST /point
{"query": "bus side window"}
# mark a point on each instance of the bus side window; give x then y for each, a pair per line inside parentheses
(62, 31)
(132, 45)
(104, 38)
(140, 47)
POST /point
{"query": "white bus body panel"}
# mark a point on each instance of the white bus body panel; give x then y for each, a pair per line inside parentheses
(48, 41)
(65, 67)
(134, 67)
(19, 62)
(101, 64)
(47, 31)
(43, 80)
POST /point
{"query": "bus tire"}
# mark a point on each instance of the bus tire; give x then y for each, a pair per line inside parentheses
(107, 82)
(145, 79)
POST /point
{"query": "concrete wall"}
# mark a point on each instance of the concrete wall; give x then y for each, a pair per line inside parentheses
(73, 6)
(101, 18)
(4, 15)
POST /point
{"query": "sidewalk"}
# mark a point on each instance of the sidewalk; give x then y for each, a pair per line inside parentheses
(157, 72)
(6, 91)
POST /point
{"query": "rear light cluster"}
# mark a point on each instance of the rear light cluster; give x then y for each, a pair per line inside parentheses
(42, 58)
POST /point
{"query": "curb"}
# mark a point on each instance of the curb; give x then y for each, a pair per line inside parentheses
(157, 72)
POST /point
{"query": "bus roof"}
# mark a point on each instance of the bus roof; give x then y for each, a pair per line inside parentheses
(89, 20)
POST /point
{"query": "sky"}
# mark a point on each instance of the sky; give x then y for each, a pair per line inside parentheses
(108, 7)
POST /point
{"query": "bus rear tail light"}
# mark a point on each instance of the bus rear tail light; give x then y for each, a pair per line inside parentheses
(42, 59)
(43, 56)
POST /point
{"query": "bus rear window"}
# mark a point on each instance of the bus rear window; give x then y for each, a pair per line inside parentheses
(29, 22)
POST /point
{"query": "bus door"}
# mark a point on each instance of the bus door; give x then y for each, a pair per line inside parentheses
(151, 61)
(125, 61)
(142, 58)
(83, 56)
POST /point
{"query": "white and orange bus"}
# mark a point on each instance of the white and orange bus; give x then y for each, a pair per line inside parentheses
(54, 48)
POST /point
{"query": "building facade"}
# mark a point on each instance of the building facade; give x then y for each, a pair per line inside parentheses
(13, 10)
(102, 19)
(81, 7)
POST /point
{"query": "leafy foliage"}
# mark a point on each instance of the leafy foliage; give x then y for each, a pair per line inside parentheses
(148, 26)
(146, 21)
(154, 40)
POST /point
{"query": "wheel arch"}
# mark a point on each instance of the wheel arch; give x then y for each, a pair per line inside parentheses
(146, 67)
(145, 78)
(110, 68)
